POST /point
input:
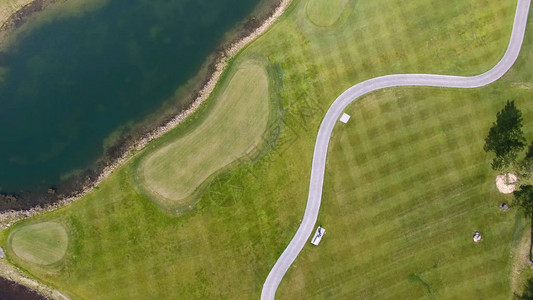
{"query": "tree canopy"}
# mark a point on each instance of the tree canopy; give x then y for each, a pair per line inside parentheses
(524, 198)
(527, 293)
(506, 138)
(526, 166)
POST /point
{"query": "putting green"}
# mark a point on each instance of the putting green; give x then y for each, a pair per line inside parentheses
(325, 12)
(43, 243)
(234, 126)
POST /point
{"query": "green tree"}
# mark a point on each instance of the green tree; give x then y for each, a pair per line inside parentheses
(526, 167)
(524, 198)
(506, 138)
(527, 293)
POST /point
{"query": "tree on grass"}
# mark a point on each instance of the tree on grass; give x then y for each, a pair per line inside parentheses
(527, 293)
(524, 198)
(507, 141)
(506, 138)
(526, 166)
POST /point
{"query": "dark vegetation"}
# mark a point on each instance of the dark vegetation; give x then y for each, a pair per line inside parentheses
(506, 138)
(524, 199)
(527, 294)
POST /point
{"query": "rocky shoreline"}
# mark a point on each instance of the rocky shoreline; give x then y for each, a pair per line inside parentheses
(15, 207)
(21, 16)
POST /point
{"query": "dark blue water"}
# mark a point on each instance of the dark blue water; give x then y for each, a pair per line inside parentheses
(10, 290)
(72, 82)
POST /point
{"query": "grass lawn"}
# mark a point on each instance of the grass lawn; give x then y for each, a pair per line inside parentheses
(172, 171)
(405, 193)
(407, 180)
(324, 12)
(43, 243)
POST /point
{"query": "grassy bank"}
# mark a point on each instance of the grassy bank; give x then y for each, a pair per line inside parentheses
(407, 180)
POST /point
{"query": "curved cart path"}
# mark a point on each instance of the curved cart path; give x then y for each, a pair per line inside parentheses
(324, 133)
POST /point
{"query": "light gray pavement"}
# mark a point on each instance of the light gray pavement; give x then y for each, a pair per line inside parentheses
(324, 133)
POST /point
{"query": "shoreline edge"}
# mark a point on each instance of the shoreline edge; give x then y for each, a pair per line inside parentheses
(9, 217)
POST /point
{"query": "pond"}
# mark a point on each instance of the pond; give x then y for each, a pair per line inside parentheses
(69, 87)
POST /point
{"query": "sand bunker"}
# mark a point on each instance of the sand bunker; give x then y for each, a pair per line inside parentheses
(506, 183)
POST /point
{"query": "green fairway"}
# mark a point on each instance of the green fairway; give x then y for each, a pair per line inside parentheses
(233, 127)
(407, 181)
(405, 193)
(325, 12)
(42, 243)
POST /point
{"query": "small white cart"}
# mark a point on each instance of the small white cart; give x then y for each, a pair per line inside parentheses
(318, 236)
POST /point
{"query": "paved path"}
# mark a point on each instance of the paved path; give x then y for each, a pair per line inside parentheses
(324, 133)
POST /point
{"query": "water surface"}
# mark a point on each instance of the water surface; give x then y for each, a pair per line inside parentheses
(69, 84)
(13, 290)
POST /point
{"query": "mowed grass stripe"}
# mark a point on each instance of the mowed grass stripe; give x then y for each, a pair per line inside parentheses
(420, 212)
(465, 130)
(383, 151)
(391, 266)
(398, 173)
(411, 198)
(411, 228)
(381, 241)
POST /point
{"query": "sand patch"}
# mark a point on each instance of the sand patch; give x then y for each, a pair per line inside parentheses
(506, 183)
